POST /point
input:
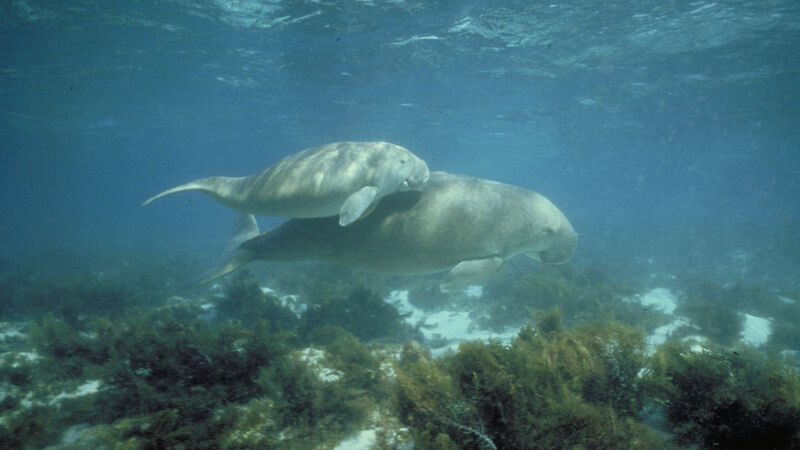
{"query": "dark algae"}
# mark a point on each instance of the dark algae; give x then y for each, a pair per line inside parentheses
(243, 367)
(550, 388)
(727, 398)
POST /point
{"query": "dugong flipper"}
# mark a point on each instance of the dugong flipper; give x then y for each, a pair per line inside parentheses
(467, 272)
(344, 178)
(358, 204)
(462, 224)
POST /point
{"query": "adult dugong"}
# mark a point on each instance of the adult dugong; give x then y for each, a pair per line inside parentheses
(463, 224)
(343, 178)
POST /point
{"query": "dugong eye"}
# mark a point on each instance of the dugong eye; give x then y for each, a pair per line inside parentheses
(402, 161)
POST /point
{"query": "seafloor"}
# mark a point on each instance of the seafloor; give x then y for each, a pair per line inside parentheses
(315, 356)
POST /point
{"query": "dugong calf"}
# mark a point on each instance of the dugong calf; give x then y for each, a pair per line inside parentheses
(463, 224)
(343, 178)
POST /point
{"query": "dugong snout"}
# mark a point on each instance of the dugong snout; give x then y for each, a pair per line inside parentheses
(561, 246)
(418, 175)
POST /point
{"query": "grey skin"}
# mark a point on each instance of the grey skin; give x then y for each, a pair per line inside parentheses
(463, 224)
(343, 178)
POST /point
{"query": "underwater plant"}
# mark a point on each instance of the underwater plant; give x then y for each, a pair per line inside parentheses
(30, 428)
(69, 298)
(541, 290)
(716, 321)
(428, 400)
(584, 294)
(550, 388)
(244, 301)
(161, 363)
(178, 376)
(97, 288)
(727, 398)
(254, 375)
(165, 367)
(361, 311)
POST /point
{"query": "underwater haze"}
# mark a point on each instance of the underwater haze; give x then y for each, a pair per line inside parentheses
(665, 131)
(668, 132)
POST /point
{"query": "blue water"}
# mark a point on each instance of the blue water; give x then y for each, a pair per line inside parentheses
(668, 132)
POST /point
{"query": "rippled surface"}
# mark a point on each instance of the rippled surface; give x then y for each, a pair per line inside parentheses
(635, 116)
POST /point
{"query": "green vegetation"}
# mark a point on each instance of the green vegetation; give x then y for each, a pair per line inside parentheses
(554, 388)
(246, 371)
(550, 388)
(584, 296)
(245, 302)
(714, 309)
(65, 298)
(361, 311)
(716, 321)
(177, 375)
(72, 293)
(722, 398)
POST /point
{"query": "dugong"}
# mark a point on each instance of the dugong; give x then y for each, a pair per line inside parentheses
(343, 178)
(463, 224)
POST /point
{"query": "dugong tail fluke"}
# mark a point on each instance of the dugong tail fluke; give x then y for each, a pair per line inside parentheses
(215, 187)
(233, 257)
